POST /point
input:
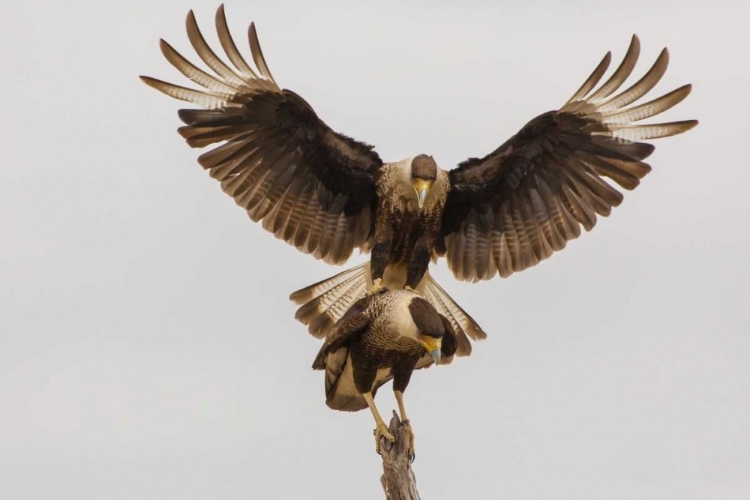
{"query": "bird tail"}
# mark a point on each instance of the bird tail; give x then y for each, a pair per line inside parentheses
(322, 304)
(325, 302)
(465, 326)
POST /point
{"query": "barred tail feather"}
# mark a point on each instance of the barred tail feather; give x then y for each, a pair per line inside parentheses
(464, 325)
(325, 302)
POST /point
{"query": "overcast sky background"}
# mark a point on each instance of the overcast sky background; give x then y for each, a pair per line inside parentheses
(147, 346)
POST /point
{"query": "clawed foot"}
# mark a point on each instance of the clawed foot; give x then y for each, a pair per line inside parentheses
(409, 440)
(377, 287)
(381, 431)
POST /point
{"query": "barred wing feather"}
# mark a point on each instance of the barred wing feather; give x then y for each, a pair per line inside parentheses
(518, 205)
(308, 185)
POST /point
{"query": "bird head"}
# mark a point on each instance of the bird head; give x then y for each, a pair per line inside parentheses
(432, 346)
(423, 175)
(429, 327)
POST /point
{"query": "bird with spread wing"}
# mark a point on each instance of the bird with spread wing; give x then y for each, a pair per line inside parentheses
(328, 194)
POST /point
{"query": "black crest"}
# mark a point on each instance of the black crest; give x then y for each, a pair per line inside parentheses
(424, 167)
(426, 318)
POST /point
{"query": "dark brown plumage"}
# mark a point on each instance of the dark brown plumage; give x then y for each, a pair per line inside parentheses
(328, 194)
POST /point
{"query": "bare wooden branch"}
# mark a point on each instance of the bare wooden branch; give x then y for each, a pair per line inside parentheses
(398, 478)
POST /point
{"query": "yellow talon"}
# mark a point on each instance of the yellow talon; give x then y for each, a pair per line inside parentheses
(381, 431)
(377, 286)
(409, 440)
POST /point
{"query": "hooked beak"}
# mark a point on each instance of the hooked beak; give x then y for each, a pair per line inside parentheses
(432, 346)
(436, 354)
(422, 187)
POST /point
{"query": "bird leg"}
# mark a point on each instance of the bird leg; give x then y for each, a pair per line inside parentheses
(381, 430)
(419, 261)
(405, 422)
(377, 286)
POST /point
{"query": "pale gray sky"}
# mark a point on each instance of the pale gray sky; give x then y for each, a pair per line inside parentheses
(147, 346)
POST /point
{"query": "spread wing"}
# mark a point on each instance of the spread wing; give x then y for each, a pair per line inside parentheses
(516, 206)
(310, 186)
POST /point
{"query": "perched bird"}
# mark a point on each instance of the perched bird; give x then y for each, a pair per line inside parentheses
(383, 336)
(327, 194)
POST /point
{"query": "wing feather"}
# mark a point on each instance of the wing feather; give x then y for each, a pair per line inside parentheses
(623, 71)
(193, 72)
(230, 48)
(208, 56)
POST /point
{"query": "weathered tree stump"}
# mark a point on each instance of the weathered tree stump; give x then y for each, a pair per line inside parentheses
(398, 478)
